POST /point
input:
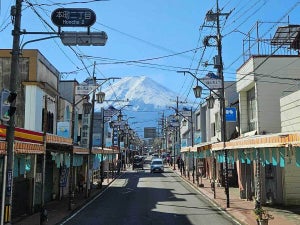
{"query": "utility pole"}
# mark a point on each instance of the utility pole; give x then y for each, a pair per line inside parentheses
(15, 72)
(177, 129)
(192, 137)
(71, 193)
(89, 161)
(215, 17)
(45, 127)
(223, 110)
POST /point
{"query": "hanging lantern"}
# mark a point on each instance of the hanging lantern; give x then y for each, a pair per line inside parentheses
(210, 102)
(100, 96)
(197, 91)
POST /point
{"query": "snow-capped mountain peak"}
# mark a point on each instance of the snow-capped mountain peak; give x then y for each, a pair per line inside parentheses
(140, 90)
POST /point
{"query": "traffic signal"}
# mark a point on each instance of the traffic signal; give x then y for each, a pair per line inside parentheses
(6, 110)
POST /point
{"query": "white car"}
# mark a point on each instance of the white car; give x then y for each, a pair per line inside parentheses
(157, 165)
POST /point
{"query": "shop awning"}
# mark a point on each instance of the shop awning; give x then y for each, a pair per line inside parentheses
(204, 146)
(261, 141)
(189, 149)
(28, 148)
(54, 139)
(104, 151)
(23, 148)
(80, 151)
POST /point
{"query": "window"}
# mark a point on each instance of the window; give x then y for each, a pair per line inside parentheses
(251, 105)
(213, 129)
(217, 122)
(67, 114)
(198, 119)
(49, 122)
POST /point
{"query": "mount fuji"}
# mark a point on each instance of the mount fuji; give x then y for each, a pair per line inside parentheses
(146, 100)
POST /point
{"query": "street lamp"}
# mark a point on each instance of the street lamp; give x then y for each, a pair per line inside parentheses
(184, 122)
(89, 108)
(197, 91)
(210, 101)
(100, 97)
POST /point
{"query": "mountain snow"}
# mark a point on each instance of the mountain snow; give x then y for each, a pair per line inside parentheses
(147, 100)
(142, 93)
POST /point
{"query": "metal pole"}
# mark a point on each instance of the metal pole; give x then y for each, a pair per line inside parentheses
(102, 145)
(192, 136)
(45, 126)
(258, 182)
(173, 146)
(71, 193)
(176, 135)
(15, 72)
(120, 153)
(222, 105)
(89, 163)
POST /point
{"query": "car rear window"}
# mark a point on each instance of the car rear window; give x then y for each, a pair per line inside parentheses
(156, 162)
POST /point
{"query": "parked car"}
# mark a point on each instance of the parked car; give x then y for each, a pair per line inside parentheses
(157, 165)
(138, 162)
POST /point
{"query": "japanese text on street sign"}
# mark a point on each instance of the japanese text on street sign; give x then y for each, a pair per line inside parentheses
(230, 114)
(84, 89)
(73, 17)
(212, 81)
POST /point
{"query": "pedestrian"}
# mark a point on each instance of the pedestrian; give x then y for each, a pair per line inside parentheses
(80, 183)
(168, 160)
(119, 166)
(182, 169)
(178, 162)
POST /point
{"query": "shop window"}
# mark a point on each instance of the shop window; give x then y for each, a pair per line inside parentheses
(251, 105)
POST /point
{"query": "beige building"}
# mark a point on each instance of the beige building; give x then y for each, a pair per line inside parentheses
(261, 82)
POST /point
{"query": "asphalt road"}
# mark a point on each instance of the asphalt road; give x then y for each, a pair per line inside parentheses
(143, 198)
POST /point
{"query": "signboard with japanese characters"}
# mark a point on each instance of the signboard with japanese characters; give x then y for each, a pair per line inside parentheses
(212, 81)
(73, 17)
(84, 89)
(231, 114)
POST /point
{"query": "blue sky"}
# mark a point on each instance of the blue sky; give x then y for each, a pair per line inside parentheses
(152, 38)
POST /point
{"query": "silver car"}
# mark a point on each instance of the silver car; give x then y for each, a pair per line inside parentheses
(157, 165)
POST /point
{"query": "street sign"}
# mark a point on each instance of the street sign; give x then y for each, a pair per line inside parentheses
(230, 114)
(83, 38)
(119, 123)
(110, 111)
(73, 17)
(185, 113)
(84, 89)
(212, 81)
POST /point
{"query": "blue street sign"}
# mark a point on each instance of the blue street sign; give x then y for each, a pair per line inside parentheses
(231, 114)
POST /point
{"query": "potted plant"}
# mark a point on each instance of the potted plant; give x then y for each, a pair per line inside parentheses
(262, 216)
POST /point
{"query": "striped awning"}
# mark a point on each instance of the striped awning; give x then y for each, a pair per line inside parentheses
(23, 148)
(54, 139)
(204, 146)
(189, 149)
(28, 148)
(104, 151)
(261, 141)
(80, 151)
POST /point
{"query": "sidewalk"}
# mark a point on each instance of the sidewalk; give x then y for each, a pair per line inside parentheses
(242, 210)
(59, 209)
